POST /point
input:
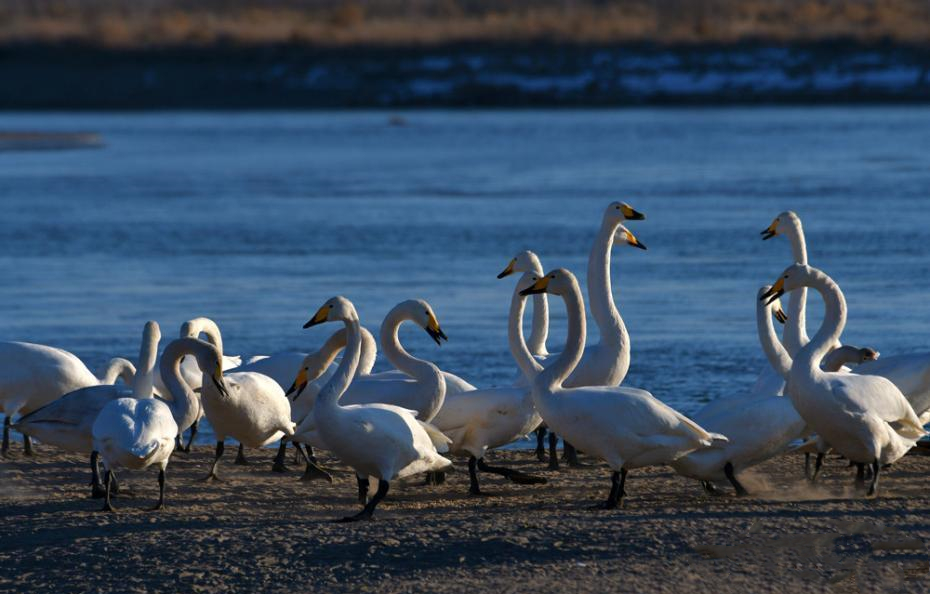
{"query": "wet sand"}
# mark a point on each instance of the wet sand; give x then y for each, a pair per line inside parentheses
(260, 531)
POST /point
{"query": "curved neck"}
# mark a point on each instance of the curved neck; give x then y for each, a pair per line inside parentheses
(318, 362)
(181, 399)
(143, 384)
(834, 320)
(369, 352)
(390, 344)
(540, 331)
(835, 359)
(795, 335)
(774, 350)
(328, 398)
(118, 368)
(609, 323)
(528, 365)
(194, 328)
(553, 376)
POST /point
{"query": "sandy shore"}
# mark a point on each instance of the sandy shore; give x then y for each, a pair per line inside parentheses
(259, 531)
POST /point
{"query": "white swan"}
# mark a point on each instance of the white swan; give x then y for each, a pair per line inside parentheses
(626, 427)
(136, 432)
(758, 427)
(34, 375)
(247, 406)
(68, 421)
(865, 418)
(909, 372)
(490, 418)
(379, 440)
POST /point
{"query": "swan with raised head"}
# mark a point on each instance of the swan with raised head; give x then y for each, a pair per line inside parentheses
(377, 440)
(136, 432)
(33, 375)
(909, 372)
(865, 418)
(490, 418)
(628, 428)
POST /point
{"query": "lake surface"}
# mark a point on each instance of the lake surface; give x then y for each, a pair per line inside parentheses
(254, 219)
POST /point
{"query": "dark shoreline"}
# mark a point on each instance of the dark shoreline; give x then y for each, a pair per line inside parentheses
(462, 75)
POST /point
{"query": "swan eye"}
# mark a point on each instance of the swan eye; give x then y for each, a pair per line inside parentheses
(330, 305)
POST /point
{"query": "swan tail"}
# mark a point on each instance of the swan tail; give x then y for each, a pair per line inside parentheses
(924, 418)
(705, 437)
(440, 441)
(909, 428)
(718, 440)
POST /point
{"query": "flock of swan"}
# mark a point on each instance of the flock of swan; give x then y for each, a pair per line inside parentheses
(815, 396)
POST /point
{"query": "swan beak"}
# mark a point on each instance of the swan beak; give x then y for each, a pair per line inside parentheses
(631, 239)
(777, 290)
(630, 214)
(319, 317)
(434, 331)
(509, 270)
(220, 383)
(780, 315)
(538, 287)
(869, 354)
(299, 384)
(771, 231)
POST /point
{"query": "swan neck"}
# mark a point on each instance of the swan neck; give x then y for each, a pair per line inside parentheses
(398, 356)
(795, 334)
(519, 350)
(553, 376)
(318, 362)
(540, 331)
(118, 368)
(143, 384)
(328, 398)
(208, 328)
(774, 350)
(834, 321)
(609, 323)
(180, 398)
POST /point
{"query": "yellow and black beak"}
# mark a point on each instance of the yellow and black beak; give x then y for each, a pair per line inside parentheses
(630, 214)
(434, 331)
(509, 270)
(631, 239)
(319, 317)
(538, 287)
(780, 315)
(299, 384)
(776, 291)
(771, 231)
(218, 381)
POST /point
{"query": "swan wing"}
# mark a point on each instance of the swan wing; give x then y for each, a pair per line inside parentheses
(876, 395)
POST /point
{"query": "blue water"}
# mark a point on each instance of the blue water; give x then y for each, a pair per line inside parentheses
(254, 219)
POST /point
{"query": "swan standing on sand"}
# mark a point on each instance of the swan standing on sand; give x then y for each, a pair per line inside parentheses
(136, 432)
(490, 418)
(626, 427)
(863, 417)
(34, 375)
(379, 440)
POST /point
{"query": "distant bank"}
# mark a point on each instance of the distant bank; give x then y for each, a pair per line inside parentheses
(62, 76)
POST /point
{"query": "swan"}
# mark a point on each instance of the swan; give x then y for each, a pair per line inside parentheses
(68, 421)
(485, 419)
(248, 406)
(865, 418)
(117, 368)
(909, 372)
(136, 432)
(626, 427)
(33, 375)
(379, 440)
(191, 373)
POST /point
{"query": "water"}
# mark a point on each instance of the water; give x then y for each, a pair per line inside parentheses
(254, 219)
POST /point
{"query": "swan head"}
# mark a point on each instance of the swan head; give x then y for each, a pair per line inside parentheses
(867, 354)
(792, 278)
(557, 282)
(151, 333)
(210, 361)
(525, 261)
(781, 224)
(419, 312)
(777, 312)
(617, 212)
(336, 309)
(624, 235)
(300, 382)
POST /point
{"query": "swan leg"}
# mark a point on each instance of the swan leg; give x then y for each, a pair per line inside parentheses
(731, 476)
(514, 475)
(27, 446)
(553, 451)
(614, 498)
(807, 466)
(161, 491)
(240, 457)
(435, 477)
(107, 506)
(178, 446)
(300, 453)
(362, 488)
(541, 443)
(313, 471)
(278, 465)
(190, 440)
(369, 508)
(710, 488)
(818, 463)
(474, 488)
(873, 486)
(98, 491)
(220, 446)
(860, 474)
(570, 455)
(6, 436)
